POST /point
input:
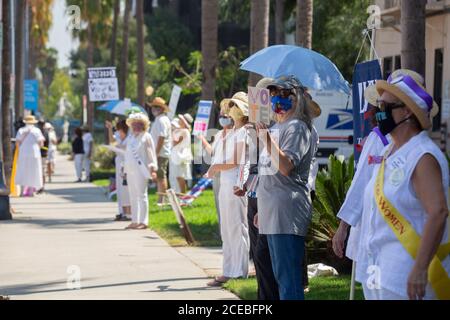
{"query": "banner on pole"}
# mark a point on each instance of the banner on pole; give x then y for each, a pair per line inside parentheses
(173, 103)
(31, 95)
(364, 75)
(202, 119)
(102, 84)
(259, 105)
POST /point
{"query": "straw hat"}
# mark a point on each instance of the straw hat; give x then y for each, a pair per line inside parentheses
(159, 102)
(138, 117)
(413, 95)
(240, 99)
(30, 120)
(371, 95)
(186, 119)
(48, 126)
(175, 123)
(314, 108)
(264, 83)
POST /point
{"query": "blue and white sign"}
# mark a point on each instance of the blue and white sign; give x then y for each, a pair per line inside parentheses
(202, 118)
(364, 75)
(31, 95)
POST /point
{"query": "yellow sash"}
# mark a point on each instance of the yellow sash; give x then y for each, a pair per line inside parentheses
(13, 189)
(410, 240)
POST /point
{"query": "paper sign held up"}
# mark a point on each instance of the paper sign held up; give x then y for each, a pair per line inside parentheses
(259, 105)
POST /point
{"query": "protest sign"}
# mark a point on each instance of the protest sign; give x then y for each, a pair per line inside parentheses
(103, 85)
(259, 105)
(202, 119)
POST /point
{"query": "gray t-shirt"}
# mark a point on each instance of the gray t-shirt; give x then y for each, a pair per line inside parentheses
(284, 203)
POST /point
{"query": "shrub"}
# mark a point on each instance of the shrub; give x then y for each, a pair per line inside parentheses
(103, 158)
(64, 148)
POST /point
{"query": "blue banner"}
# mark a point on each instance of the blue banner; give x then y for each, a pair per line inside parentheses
(364, 75)
(31, 95)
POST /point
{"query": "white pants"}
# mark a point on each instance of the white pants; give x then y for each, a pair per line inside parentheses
(78, 160)
(123, 195)
(87, 166)
(234, 232)
(173, 178)
(137, 187)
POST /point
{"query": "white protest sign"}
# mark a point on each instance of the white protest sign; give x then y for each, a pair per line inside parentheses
(102, 84)
(173, 103)
(259, 105)
(202, 119)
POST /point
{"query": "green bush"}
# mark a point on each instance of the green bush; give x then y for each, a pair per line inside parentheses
(103, 158)
(102, 174)
(332, 185)
(64, 148)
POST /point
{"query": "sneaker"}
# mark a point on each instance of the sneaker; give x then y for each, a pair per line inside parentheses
(124, 218)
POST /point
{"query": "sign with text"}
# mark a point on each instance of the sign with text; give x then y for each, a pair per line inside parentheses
(173, 103)
(103, 85)
(259, 105)
(202, 118)
(31, 95)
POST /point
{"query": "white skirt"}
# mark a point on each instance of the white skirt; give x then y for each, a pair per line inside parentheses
(29, 172)
(183, 170)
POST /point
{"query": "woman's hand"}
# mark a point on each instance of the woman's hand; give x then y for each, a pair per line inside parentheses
(339, 239)
(108, 124)
(417, 282)
(256, 221)
(210, 173)
(239, 192)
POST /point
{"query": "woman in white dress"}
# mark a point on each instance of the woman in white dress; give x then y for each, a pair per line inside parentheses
(181, 153)
(29, 140)
(233, 209)
(140, 166)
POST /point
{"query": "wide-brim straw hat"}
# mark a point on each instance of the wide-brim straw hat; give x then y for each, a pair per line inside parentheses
(413, 95)
(314, 109)
(159, 102)
(30, 120)
(240, 99)
(175, 123)
(371, 94)
(186, 119)
(138, 117)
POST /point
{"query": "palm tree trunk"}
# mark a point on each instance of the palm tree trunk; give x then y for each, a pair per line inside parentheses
(412, 24)
(6, 91)
(19, 54)
(124, 57)
(140, 44)
(259, 30)
(32, 55)
(304, 21)
(279, 22)
(209, 47)
(114, 32)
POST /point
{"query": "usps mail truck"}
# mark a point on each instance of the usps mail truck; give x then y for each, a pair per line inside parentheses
(335, 124)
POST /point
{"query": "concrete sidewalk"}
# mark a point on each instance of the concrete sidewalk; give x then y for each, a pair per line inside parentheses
(69, 231)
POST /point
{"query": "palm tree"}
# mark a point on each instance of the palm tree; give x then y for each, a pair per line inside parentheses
(259, 30)
(19, 54)
(6, 92)
(114, 32)
(140, 44)
(209, 47)
(279, 21)
(412, 23)
(304, 21)
(124, 56)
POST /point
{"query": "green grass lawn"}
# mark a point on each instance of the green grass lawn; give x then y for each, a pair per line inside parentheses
(101, 183)
(320, 288)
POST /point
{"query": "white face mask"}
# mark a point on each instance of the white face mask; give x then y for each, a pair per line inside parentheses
(225, 122)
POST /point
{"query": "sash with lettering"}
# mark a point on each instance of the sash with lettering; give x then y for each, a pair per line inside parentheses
(410, 240)
(141, 164)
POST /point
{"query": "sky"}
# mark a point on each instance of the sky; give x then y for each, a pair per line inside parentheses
(59, 36)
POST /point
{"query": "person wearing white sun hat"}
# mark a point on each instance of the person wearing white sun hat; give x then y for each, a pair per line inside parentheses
(29, 165)
(405, 208)
(140, 166)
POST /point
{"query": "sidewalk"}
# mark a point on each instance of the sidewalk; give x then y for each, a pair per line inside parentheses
(70, 229)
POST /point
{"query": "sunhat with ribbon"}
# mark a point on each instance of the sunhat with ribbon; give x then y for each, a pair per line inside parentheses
(159, 102)
(413, 95)
(371, 94)
(138, 117)
(186, 119)
(30, 120)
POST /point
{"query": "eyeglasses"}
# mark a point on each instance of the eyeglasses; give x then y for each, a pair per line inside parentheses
(383, 105)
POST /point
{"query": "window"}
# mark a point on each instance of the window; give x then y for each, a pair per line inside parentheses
(438, 82)
(398, 62)
(387, 67)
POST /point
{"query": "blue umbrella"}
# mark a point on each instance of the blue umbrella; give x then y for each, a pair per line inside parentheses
(120, 107)
(314, 70)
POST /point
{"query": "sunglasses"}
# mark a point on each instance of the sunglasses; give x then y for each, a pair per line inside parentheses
(284, 93)
(383, 105)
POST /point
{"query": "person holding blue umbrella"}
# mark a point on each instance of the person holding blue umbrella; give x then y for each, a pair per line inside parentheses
(284, 203)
